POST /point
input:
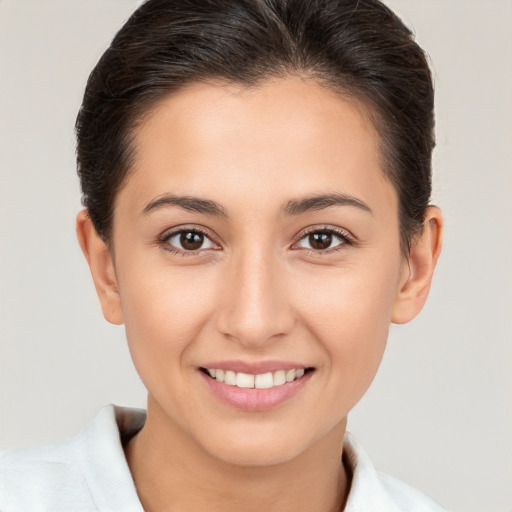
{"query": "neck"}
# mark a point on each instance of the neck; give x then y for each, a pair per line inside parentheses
(172, 472)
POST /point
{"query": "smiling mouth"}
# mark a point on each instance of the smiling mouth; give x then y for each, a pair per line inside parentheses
(259, 381)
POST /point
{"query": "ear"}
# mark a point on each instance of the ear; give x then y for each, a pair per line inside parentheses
(423, 256)
(102, 268)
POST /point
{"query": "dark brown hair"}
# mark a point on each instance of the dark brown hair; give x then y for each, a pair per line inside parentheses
(358, 47)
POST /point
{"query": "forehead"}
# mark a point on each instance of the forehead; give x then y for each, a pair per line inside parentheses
(294, 109)
(284, 137)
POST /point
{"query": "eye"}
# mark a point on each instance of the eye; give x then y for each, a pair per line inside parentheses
(188, 240)
(322, 240)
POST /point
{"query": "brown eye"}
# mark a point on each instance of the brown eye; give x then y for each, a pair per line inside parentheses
(189, 240)
(322, 240)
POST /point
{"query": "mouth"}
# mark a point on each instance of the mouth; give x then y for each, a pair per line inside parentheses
(257, 381)
(256, 392)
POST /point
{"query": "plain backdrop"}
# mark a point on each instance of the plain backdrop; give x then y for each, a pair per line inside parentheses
(439, 414)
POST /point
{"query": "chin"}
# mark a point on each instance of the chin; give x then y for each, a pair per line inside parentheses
(260, 446)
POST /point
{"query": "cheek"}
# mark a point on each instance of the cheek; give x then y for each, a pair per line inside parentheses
(164, 311)
(349, 315)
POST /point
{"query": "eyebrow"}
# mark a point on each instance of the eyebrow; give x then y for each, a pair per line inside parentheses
(190, 203)
(319, 202)
(292, 207)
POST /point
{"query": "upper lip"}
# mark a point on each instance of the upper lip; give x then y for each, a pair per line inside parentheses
(254, 367)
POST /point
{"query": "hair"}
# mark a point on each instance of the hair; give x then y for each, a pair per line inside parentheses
(359, 48)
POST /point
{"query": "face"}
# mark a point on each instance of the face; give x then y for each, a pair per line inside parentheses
(256, 236)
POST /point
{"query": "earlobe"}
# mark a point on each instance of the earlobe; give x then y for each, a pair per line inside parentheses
(423, 256)
(102, 268)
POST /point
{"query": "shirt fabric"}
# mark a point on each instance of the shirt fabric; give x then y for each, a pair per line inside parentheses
(89, 473)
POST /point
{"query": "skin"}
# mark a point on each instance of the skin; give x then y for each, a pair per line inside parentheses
(257, 291)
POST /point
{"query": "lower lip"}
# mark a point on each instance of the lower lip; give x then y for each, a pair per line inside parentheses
(253, 399)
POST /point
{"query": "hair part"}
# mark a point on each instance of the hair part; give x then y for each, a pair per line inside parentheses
(357, 47)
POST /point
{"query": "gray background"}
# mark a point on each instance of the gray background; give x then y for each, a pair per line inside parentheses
(439, 414)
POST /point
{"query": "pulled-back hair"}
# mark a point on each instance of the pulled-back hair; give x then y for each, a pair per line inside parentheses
(357, 47)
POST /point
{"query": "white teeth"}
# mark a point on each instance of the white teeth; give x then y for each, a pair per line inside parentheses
(264, 381)
(244, 380)
(230, 378)
(260, 381)
(290, 375)
(279, 378)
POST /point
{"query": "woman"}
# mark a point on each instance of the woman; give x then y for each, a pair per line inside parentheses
(256, 183)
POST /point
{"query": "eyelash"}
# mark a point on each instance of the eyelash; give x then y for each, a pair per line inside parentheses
(346, 240)
(163, 240)
(344, 236)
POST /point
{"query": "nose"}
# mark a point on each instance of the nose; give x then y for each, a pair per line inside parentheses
(255, 309)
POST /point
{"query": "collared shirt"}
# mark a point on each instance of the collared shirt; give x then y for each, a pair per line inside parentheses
(89, 473)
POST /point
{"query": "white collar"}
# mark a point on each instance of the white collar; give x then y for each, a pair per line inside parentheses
(112, 487)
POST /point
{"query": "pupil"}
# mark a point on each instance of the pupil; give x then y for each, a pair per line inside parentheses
(191, 241)
(320, 240)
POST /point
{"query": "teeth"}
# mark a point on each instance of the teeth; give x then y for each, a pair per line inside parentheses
(244, 380)
(230, 378)
(260, 381)
(279, 378)
(264, 381)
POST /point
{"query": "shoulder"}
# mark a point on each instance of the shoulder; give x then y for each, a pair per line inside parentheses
(407, 497)
(373, 491)
(78, 474)
(33, 477)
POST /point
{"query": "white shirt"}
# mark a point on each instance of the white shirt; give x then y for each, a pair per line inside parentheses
(89, 473)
